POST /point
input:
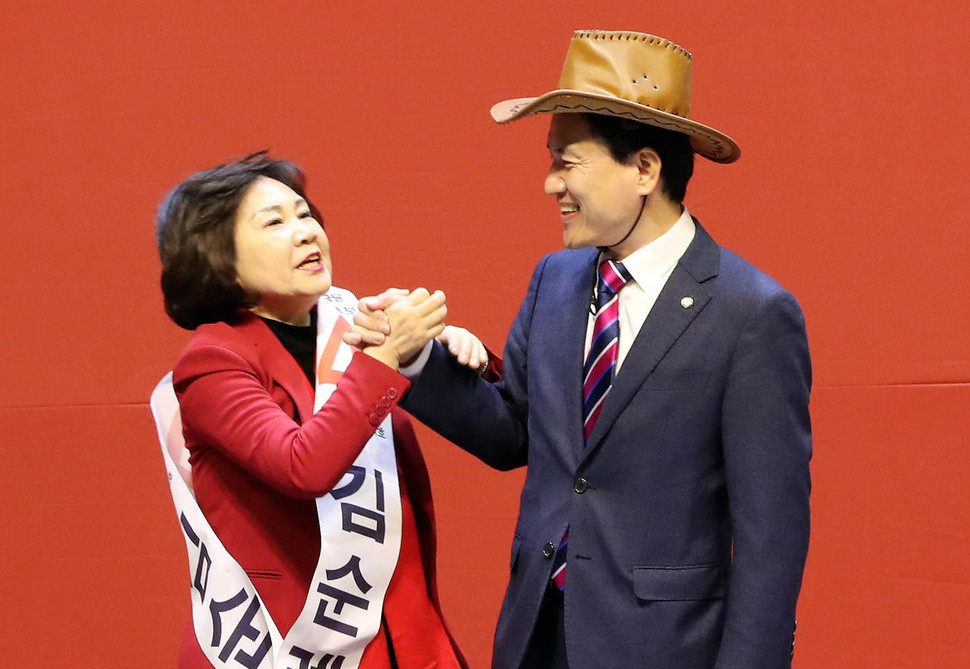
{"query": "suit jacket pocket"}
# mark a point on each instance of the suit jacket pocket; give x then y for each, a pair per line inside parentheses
(678, 584)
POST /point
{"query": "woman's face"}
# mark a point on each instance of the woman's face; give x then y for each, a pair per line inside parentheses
(282, 253)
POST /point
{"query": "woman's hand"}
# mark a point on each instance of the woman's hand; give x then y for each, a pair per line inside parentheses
(370, 322)
(372, 327)
(466, 347)
(409, 322)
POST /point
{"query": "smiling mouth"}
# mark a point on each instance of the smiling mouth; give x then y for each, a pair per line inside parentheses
(312, 262)
(565, 209)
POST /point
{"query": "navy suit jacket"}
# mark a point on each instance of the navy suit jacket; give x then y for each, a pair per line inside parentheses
(688, 508)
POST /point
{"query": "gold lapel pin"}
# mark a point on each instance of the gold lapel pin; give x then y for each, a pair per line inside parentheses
(687, 302)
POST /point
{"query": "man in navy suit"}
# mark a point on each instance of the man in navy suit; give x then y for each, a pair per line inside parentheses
(661, 410)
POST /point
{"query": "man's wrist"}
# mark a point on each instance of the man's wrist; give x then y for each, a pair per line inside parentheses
(413, 368)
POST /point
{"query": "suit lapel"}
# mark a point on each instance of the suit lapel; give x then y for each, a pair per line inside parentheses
(574, 320)
(667, 321)
(285, 370)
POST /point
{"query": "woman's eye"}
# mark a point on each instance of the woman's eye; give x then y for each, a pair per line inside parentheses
(306, 214)
(274, 221)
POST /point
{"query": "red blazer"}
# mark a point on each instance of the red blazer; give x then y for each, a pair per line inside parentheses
(260, 457)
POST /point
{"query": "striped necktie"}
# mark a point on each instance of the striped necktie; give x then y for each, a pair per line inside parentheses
(601, 359)
(598, 370)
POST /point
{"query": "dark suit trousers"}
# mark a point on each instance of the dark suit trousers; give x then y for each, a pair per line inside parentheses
(547, 646)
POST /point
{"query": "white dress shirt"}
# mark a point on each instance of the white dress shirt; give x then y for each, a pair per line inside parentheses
(650, 266)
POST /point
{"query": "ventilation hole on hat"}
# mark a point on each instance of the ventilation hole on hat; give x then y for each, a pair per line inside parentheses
(656, 88)
(645, 77)
(635, 82)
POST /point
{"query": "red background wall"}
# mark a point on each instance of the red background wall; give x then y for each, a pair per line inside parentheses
(853, 122)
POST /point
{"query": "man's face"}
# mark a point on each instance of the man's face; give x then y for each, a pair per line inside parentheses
(599, 199)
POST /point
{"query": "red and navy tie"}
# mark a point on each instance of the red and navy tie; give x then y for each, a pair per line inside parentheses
(598, 370)
(601, 359)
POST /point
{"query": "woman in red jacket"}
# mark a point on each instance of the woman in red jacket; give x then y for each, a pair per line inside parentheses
(321, 544)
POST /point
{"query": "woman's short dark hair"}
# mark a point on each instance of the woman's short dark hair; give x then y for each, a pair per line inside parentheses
(195, 230)
(624, 137)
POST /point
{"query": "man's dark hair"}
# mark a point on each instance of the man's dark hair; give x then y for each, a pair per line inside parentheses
(624, 137)
(195, 230)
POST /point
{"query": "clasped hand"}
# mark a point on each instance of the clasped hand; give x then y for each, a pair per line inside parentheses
(397, 324)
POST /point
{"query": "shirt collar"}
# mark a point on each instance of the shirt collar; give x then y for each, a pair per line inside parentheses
(653, 260)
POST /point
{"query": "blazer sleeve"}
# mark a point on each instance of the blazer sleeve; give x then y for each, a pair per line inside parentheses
(226, 405)
(487, 420)
(766, 433)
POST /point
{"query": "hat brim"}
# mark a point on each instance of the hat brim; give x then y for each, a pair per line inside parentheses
(708, 142)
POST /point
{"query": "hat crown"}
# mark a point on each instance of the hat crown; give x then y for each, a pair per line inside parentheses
(638, 67)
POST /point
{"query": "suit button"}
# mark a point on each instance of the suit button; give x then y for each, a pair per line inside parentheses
(374, 419)
(385, 401)
(548, 550)
(580, 485)
(392, 393)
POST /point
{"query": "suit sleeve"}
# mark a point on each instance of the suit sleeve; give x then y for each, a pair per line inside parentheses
(487, 420)
(225, 405)
(767, 442)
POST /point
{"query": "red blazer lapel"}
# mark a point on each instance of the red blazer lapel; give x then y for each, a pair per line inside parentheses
(273, 356)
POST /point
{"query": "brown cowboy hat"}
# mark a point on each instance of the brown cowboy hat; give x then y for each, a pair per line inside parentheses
(629, 75)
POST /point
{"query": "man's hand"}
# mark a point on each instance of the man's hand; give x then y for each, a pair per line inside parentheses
(394, 326)
(414, 320)
(372, 327)
(370, 322)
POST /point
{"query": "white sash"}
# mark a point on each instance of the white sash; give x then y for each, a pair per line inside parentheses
(360, 530)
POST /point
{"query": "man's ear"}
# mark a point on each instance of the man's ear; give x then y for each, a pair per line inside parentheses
(647, 161)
